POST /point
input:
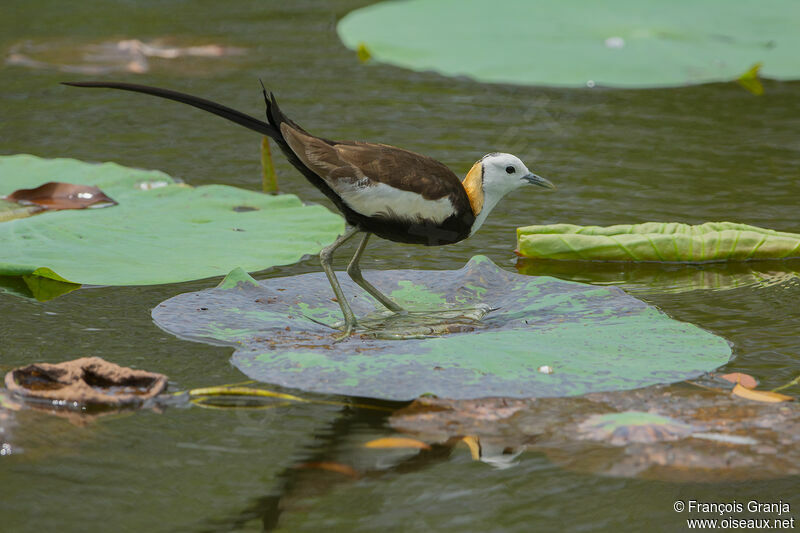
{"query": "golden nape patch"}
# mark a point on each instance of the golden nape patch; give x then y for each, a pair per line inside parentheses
(473, 184)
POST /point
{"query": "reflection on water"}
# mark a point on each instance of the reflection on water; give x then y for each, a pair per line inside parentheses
(648, 278)
(128, 55)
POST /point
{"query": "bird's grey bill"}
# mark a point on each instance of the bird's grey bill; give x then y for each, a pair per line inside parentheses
(538, 180)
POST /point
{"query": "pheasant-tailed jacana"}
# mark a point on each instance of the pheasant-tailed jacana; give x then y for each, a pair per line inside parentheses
(396, 194)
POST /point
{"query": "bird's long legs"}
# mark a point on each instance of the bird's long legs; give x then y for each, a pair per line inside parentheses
(354, 271)
(325, 257)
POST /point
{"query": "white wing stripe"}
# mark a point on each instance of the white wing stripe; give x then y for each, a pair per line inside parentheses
(380, 199)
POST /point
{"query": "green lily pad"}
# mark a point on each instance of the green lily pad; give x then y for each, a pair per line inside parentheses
(656, 241)
(161, 231)
(575, 43)
(42, 284)
(592, 338)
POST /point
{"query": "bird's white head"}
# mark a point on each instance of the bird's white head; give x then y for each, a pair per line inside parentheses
(494, 176)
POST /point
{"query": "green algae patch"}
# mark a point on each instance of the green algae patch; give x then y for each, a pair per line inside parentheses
(161, 231)
(656, 241)
(540, 337)
(579, 43)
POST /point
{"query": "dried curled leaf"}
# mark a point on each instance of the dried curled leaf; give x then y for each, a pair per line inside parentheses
(85, 381)
(760, 395)
(56, 195)
(397, 442)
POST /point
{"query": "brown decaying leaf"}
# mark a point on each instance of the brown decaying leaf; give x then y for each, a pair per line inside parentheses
(85, 381)
(330, 466)
(745, 380)
(760, 395)
(397, 442)
(56, 195)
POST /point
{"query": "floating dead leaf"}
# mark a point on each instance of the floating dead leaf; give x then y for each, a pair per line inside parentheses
(397, 442)
(760, 395)
(56, 195)
(85, 381)
(745, 380)
(330, 466)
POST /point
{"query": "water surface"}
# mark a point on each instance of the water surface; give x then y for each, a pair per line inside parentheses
(695, 154)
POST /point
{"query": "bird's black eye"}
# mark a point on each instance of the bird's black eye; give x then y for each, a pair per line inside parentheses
(510, 169)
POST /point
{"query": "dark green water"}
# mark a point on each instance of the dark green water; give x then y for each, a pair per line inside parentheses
(690, 155)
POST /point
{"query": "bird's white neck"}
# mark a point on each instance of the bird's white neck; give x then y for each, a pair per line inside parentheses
(485, 191)
(489, 203)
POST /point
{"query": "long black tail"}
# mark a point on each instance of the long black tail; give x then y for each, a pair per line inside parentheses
(206, 105)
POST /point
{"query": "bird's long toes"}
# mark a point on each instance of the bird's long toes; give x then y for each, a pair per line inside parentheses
(349, 330)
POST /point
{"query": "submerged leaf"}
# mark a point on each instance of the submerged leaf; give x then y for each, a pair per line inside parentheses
(57, 195)
(695, 432)
(760, 395)
(596, 338)
(624, 428)
(330, 466)
(656, 241)
(726, 438)
(397, 442)
(161, 231)
(745, 380)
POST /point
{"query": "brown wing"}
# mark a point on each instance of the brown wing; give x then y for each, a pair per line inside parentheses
(342, 163)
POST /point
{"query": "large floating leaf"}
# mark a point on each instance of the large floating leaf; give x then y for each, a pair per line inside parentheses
(593, 338)
(161, 231)
(621, 43)
(656, 241)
